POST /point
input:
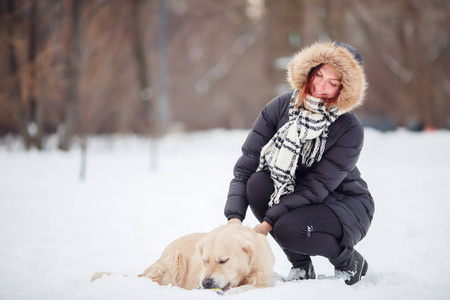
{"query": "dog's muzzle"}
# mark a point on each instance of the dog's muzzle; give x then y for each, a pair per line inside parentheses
(210, 283)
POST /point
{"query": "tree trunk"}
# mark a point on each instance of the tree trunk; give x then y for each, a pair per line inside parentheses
(145, 91)
(34, 101)
(72, 114)
(15, 89)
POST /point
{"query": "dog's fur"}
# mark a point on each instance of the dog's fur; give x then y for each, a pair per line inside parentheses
(229, 256)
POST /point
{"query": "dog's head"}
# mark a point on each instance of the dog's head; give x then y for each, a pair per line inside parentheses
(229, 256)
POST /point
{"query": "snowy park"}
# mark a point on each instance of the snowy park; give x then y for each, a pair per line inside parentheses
(138, 195)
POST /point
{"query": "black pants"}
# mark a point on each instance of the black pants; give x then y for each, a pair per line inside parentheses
(308, 230)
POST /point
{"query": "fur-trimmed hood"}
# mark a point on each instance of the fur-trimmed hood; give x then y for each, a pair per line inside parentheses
(347, 64)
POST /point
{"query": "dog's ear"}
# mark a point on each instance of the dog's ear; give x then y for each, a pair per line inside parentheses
(250, 249)
(200, 246)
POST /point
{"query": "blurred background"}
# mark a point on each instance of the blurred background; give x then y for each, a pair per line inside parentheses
(76, 68)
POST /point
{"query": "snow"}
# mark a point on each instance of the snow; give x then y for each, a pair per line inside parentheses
(57, 230)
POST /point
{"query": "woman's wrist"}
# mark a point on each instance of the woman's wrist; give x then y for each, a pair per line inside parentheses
(234, 221)
(266, 225)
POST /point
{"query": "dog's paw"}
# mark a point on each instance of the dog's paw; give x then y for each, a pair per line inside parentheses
(239, 289)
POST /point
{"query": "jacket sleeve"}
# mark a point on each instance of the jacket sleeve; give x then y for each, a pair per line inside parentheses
(325, 176)
(263, 130)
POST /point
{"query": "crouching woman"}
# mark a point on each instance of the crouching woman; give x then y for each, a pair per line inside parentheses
(298, 168)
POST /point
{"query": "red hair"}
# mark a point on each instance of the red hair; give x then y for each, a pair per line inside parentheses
(306, 89)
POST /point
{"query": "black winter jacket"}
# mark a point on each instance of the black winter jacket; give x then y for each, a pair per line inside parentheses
(334, 181)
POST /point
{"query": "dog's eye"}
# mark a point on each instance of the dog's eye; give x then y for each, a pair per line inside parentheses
(222, 261)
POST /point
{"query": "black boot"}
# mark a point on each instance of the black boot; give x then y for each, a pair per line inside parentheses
(301, 271)
(350, 265)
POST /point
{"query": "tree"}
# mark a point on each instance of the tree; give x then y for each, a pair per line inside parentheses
(20, 73)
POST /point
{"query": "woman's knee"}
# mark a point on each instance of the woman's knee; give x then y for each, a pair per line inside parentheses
(288, 231)
(259, 188)
(299, 235)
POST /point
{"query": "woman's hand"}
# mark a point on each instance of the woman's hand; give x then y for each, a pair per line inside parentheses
(234, 221)
(263, 228)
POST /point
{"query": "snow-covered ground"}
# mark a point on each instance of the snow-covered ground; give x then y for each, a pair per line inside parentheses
(56, 230)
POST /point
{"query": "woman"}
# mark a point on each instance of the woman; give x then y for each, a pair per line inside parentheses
(298, 166)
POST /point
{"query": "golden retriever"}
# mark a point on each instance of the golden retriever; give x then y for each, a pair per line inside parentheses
(229, 256)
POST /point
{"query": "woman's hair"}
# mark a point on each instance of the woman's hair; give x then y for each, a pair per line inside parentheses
(306, 89)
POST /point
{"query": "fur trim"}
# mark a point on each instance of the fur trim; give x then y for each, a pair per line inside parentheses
(351, 73)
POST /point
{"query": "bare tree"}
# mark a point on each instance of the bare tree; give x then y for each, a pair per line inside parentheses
(141, 63)
(17, 75)
(73, 55)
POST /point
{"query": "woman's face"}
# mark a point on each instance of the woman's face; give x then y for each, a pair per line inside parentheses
(326, 83)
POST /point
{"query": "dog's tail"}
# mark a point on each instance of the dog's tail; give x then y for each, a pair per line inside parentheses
(98, 275)
(174, 270)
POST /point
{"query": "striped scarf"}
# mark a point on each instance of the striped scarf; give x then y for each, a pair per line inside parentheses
(305, 135)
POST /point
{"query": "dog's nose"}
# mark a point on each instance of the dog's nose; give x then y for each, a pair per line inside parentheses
(208, 283)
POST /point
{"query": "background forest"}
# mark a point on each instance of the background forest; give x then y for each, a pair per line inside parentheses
(76, 68)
